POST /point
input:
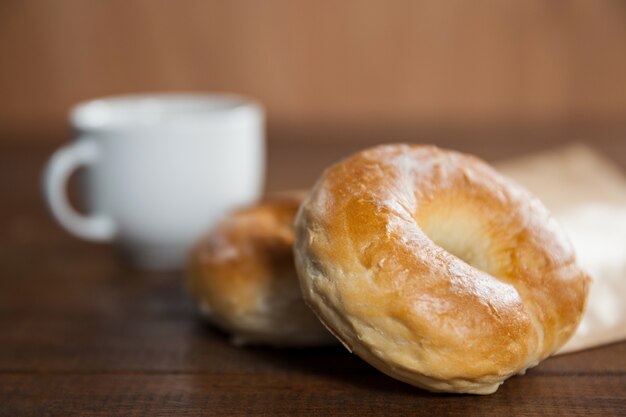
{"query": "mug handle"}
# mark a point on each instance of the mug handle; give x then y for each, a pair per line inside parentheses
(60, 167)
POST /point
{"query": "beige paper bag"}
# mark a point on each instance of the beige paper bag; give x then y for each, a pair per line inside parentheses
(587, 194)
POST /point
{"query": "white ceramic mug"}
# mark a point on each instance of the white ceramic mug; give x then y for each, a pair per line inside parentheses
(159, 170)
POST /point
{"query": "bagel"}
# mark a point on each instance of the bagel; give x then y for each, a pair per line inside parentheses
(243, 278)
(435, 269)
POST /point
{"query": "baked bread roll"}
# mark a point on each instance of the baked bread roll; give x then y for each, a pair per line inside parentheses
(243, 278)
(435, 269)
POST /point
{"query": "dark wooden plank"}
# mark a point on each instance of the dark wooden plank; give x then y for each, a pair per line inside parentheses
(76, 283)
(117, 341)
(285, 395)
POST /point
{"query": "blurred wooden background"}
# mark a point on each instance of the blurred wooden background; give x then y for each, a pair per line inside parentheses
(348, 64)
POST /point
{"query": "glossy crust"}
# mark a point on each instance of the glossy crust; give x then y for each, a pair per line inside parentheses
(243, 278)
(436, 269)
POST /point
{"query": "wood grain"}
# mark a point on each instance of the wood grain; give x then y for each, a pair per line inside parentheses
(82, 334)
(353, 62)
(298, 394)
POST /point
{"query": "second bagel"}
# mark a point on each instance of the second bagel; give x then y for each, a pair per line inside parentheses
(243, 278)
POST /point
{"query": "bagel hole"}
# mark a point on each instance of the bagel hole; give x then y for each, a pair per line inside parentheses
(459, 233)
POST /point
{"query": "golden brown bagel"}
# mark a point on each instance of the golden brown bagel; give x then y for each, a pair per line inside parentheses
(436, 269)
(242, 276)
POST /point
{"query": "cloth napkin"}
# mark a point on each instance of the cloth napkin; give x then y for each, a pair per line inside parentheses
(587, 194)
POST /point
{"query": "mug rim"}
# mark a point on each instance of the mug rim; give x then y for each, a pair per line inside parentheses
(100, 113)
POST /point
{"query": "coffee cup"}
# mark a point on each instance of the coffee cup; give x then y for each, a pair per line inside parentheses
(159, 170)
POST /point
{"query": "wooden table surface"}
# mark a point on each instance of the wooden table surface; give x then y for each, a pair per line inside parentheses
(82, 334)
